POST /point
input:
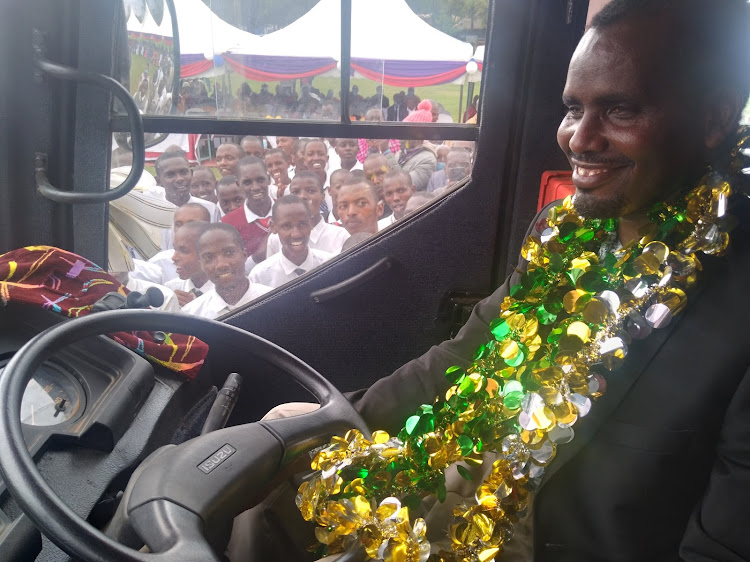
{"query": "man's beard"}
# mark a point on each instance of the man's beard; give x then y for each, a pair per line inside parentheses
(589, 206)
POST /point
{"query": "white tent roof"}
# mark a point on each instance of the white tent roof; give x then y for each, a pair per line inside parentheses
(201, 31)
(374, 23)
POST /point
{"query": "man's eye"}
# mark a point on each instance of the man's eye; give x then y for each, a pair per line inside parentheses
(622, 111)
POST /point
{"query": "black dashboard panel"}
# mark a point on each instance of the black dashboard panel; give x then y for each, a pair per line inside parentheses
(88, 393)
(91, 413)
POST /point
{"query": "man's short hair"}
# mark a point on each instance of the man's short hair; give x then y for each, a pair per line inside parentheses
(340, 172)
(202, 169)
(278, 150)
(300, 144)
(311, 141)
(308, 174)
(223, 227)
(287, 200)
(235, 145)
(168, 155)
(249, 161)
(715, 45)
(399, 174)
(251, 138)
(375, 156)
(197, 228)
(227, 180)
(354, 180)
(359, 174)
(196, 206)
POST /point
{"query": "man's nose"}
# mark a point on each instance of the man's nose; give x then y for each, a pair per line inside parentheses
(587, 135)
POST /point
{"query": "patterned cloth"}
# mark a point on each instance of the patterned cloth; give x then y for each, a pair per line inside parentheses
(393, 145)
(69, 284)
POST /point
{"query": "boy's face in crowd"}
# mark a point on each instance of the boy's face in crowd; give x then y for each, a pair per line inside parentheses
(337, 180)
(222, 259)
(230, 197)
(396, 192)
(286, 144)
(316, 156)
(298, 156)
(253, 147)
(309, 190)
(293, 225)
(347, 151)
(227, 157)
(186, 215)
(254, 182)
(203, 185)
(457, 165)
(358, 209)
(278, 168)
(185, 255)
(375, 170)
(174, 176)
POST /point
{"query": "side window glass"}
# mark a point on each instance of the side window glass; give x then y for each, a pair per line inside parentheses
(279, 63)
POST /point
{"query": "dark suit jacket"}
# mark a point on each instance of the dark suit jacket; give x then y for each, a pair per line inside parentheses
(396, 113)
(660, 468)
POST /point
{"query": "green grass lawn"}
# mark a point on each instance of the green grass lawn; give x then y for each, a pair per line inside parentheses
(446, 94)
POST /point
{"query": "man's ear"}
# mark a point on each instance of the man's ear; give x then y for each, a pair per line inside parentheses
(381, 208)
(723, 109)
(273, 227)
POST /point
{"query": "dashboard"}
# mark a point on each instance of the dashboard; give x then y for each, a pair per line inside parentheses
(89, 415)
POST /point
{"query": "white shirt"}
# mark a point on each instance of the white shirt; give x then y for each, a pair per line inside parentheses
(323, 236)
(164, 261)
(210, 305)
(147, 272)
(277, 269)
(387, 221)
(187, 285)
(252, 217)
(171, 304)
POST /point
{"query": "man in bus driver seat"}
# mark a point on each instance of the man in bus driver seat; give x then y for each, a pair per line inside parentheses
(648, 273)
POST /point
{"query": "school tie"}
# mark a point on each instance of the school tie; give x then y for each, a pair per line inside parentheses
(299, 271)
(265, 223)
(324, 210)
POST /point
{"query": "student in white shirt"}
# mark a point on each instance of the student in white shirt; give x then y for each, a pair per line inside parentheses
(221, 251)
(188, 213)
(277, 163)
(191, 281)
(359, 205)
(173, 173)
(397, 190)
(291, 221)
(326, 237)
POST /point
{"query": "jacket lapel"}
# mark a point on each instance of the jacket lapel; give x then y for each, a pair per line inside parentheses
(618, 384)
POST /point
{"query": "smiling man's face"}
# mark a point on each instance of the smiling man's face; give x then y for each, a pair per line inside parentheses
(632, 134)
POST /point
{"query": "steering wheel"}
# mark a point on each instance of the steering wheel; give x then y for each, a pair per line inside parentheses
(179, 494)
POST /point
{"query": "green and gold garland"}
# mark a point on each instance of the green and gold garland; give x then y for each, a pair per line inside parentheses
(577, 306)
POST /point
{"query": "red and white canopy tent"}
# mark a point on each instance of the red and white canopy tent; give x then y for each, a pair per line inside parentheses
(389, 43)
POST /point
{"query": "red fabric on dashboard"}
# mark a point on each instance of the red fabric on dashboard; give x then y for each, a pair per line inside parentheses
(69, 284)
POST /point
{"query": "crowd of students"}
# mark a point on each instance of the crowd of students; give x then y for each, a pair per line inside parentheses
(268, 214)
